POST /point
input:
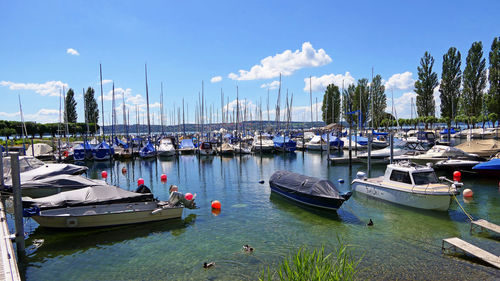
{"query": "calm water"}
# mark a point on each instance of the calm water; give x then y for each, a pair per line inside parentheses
(403, 244)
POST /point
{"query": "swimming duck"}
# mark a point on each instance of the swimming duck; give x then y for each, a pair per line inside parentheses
(247, 248)
(207, 265)
(370, 223)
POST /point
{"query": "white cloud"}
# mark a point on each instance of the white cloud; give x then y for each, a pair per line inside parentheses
(42, 116)
(402, 105)
(216, 79)
(51, 88)
(72, 52)
(319, 84)
(272, 85)
(106, 81)
(286, 63)
(400, 81)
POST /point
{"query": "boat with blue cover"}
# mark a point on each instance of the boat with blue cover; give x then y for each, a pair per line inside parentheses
(284, 144)
(147, 151)
(307, 190)
(102, 151)
(489, 168)
(83, 151)
(187, 146)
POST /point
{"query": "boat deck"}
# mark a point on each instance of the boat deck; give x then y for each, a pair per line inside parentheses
(8, 262)
(484, 224)
(457, 243)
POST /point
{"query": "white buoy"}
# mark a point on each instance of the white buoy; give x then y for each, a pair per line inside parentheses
(468, 193)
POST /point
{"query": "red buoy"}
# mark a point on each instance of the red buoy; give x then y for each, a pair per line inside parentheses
(216, 204)
(140, 182)
(188, 196)
(457, 176)
(104, 174)
(163, 177)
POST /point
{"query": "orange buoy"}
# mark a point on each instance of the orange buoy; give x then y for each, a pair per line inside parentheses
(163, 177)
(124, 170)
(215, 212)
(216, 204)
(140, 182)
(104, 174)
(457, 176)
(188, 196)
(468, 193)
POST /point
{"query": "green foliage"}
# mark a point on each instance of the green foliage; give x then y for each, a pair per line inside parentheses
(378, 99)
(315, 266)
(347, 103)
(474, 80)
(424, 86)
(361, 99)
(494, 78)
(70, 114)
(331, 104)
(91, 108)
(451, 77)
(10, 128)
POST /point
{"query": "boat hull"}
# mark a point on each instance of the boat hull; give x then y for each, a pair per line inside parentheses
(306, 199)
(117, 214)
(416, 200)
(166, 153)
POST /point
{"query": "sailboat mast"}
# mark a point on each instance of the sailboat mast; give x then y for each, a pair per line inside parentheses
(311, 97)
(102, 101)
(147, 99)
(161, 108)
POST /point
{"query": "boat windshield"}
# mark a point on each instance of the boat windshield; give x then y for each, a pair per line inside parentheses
(424, 178)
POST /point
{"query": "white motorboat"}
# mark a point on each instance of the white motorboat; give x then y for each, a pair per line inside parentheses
(102, 206)
(316, 144)
(206, 149)
(438, 153)
(456, 164)
(166, 148)
(382, 155)
(226, 149)
(262, 143)
(33, 169)
(241, 148)
(408, 184)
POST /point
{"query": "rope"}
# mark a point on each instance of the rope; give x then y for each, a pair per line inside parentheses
(469, 216)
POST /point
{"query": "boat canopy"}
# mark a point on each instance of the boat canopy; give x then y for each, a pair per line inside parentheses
(48, 170)
(304, 184)
(121, 143)
(187, 143)
(93, 195)
(493, 164)
(84, 146)
(62, 181)
(39, 149)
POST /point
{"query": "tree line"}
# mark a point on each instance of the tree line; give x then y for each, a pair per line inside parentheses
(464, 95)
(14, 128)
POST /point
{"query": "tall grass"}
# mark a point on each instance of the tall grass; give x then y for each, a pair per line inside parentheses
(315, 265)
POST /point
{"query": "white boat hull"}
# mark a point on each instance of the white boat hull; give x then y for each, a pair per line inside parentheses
(439, 202)
(106, 215)
(166, 153)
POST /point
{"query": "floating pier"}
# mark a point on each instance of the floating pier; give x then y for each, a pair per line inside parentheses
(484, 224)
(457, 243)
(344, 160)
(8, 263)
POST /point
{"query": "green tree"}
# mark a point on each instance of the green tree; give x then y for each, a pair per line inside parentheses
(331, 104)
(70, 107)
(424, 86)
(347, 102)
(360, 99)
(474, 80)
(451, 77)
(378, 99)
(91, 107)
(494, 78)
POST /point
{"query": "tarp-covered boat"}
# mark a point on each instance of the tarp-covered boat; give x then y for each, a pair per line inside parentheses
(307, 190)
(102, 151)
(83, 151)
(491, 167)
(147, 151)
(56, 184)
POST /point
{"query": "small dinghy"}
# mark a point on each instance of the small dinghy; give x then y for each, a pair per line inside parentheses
(307, 190)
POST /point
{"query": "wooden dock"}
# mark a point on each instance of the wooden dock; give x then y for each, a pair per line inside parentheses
(8, 263)
(484, 224)
(344, 160)
(457, 243)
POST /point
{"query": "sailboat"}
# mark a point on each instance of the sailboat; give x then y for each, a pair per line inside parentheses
(148, 150)
(102, 151)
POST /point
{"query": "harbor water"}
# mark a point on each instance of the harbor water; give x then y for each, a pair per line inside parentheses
(403, 243)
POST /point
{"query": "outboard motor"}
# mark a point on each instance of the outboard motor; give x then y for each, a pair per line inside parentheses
(142, 189)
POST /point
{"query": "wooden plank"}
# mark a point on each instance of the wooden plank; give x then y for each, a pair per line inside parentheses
(474, 251)
(487, 225)
(8, 262)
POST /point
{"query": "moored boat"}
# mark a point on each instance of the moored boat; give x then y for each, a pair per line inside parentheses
(408, 184)
(307, 190)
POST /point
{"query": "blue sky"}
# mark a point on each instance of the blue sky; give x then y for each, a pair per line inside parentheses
(49, 44)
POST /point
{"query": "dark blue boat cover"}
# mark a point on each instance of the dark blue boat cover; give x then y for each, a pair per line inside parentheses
(304, 184)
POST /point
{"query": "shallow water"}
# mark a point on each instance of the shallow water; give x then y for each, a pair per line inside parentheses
(403, 244)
